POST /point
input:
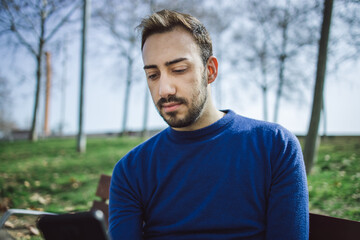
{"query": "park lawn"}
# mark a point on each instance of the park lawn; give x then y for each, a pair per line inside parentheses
(50, 175)
(334, 182)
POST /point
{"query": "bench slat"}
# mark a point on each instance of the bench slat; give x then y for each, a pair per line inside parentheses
(103, 187)
(331, 228)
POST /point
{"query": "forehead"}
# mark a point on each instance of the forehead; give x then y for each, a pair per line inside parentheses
(160, 48)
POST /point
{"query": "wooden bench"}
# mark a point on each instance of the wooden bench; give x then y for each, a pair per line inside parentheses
(331, 228)
(102, 191)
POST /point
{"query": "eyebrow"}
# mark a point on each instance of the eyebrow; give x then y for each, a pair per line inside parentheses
(167, 63)
(175, 61)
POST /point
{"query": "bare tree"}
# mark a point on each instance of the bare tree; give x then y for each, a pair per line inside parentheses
(32, 24)
(81, 137)
(120, 19)
(344, 45)
(259, 64)
(311, 141)
(281, 42)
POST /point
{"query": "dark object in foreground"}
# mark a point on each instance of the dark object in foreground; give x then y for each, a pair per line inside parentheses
(331, 228)
(76, 226)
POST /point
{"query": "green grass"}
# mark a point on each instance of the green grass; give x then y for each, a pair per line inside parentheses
(334, 182)
(50, 174)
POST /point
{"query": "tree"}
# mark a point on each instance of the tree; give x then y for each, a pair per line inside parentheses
(120, 19)
(344, 45)
(277, 44)
(311, 144)
(32, 24)
(258, 60)
(81, 138)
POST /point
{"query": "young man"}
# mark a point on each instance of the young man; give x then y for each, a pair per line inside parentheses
(212, 174)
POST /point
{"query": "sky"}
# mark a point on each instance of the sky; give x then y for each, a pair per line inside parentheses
(104, 95)
(104, 100)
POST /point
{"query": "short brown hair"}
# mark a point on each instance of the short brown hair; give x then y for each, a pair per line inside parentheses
(166, 20)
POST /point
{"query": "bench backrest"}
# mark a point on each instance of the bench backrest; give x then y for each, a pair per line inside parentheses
(331, 228)
(102, 191)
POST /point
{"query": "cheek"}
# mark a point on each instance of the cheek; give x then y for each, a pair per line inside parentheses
(153, 91)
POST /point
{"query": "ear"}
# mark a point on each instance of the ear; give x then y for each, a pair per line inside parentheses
(212, 69)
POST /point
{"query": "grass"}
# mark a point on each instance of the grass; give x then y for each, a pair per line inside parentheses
(50, 175)
(334, 183)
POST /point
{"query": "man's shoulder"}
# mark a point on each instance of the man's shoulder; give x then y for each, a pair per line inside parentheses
(259, 128)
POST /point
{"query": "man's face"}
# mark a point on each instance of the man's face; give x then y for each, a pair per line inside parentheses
(176, 77)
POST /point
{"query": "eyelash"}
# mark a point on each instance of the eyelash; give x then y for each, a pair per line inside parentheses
(154, 76)
(179, 71)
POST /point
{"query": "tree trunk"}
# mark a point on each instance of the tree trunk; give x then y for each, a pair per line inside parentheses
(310, 149)
(282, 59)
(81, 138)
(265, 108)
(264, 86)
(127, 96)
(280, 88)
(47, 94)
(33, 132)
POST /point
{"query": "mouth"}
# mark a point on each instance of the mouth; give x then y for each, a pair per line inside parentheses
(171, 106)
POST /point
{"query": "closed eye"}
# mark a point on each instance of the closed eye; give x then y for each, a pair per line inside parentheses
(179, 70)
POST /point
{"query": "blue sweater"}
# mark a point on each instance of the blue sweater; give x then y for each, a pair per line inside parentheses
(238, 178)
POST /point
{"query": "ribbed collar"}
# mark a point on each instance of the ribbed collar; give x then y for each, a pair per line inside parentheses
(203, 133)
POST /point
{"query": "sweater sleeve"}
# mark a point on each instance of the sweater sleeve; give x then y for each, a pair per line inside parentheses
(125, 211)
(287, 212)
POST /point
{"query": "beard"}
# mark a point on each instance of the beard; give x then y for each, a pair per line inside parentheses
(195, 107)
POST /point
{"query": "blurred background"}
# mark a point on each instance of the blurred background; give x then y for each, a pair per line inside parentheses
(72, 69)
(267, 53)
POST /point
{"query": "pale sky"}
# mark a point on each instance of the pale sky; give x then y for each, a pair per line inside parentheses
(104, 100)
(104, 94)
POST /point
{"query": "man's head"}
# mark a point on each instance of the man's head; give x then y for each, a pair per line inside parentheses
(166, 21)
(178, 73)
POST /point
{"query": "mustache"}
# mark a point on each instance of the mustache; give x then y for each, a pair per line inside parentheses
(171, 99)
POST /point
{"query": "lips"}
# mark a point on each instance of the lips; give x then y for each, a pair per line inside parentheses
(171, 106)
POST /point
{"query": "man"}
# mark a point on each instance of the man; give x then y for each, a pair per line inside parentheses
(212, 174)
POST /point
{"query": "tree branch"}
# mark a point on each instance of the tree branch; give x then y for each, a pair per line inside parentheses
(62, 22)
(23, 41)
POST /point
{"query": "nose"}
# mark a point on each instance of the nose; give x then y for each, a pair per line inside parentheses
(166, 87)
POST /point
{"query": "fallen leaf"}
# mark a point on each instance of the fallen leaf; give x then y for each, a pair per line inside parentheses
(34, 231)
(36, 197)
(9, 224)
(27, 184)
